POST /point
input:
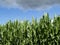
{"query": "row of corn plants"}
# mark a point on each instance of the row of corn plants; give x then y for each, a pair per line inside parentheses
(37, 32)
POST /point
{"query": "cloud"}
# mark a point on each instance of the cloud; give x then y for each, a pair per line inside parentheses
(28, 4)
(8, 3)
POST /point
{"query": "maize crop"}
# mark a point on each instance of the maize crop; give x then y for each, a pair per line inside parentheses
(42, 32)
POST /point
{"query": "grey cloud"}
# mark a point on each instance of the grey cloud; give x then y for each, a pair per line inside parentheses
(26, 4)
(8, 3)
(37, 3)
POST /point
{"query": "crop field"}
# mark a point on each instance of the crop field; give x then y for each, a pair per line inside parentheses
(37, 32)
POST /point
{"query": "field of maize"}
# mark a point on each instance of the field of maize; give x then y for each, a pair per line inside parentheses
(37, 32)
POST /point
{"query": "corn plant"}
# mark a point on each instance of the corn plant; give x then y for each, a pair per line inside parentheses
(41, 32)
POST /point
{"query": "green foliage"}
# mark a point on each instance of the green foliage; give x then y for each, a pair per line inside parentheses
(43, 32)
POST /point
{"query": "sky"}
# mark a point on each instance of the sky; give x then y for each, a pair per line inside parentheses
(25, 9)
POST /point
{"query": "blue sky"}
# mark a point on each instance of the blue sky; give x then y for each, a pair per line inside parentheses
(16, 13)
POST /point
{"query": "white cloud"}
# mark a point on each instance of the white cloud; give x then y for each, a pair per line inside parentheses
(28, 4)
